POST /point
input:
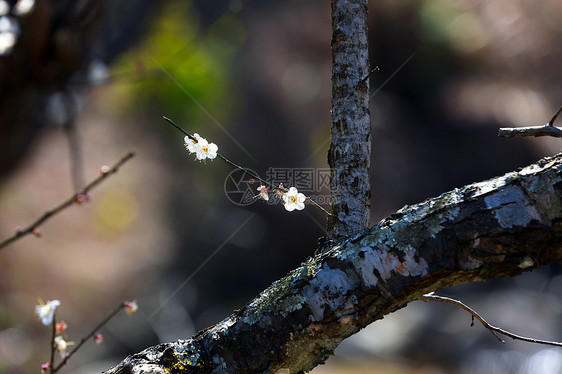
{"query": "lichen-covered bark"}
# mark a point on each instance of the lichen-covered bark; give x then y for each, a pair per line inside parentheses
(498, 227)
(350, 150)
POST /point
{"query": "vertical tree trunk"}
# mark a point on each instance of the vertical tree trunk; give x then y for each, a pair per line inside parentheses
(350, 151)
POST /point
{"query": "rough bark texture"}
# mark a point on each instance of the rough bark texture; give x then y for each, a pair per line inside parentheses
(500, 227)
(350, 151)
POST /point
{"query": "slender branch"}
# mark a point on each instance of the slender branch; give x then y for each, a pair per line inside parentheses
(551, 123)
(536, 131)
(494, 330)
(53, 333)
(545, 130)
(246, 171)
(88, 336)
(71, 200)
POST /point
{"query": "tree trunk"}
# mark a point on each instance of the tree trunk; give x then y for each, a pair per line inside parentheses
(350, 152)
(495, 228)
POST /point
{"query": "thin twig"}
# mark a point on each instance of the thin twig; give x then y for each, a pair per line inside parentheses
(551, 123)
(375, 70)
(545, 130)
(88, 336)
(71, 200)
(247, 171)
(53, 334)
(494, 330)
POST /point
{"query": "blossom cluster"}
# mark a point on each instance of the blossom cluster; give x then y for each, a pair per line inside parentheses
(201, 147)
(46, 313)
(292, 198)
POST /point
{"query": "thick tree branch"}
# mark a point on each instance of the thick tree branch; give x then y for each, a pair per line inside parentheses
(499, 227)
(350, 151)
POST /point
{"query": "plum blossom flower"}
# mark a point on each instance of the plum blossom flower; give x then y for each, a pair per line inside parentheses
(61, 345)
(131, 307)
(202, 148)
(61, 327)
(293, 199)
(264, 195)
(206, 150)
(190, 144)
(98, 338)
(46, 312)
(281, 190)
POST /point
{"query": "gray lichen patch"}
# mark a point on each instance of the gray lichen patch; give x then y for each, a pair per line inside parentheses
(541, 190)
(220, 328)
(291, 303)
(328, 289)
(413, 227)
(186, 353)
(385, 263)
(260, 304)
(280, 296)
(149, 368)
(539, 167)
(511, 207)
(485, 187)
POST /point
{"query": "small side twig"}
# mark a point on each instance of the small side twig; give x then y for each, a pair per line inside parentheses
(375, 70)
(545, 130)
(71, 200)
(494, 330)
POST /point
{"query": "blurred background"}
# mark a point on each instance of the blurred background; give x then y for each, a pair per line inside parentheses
(84, 82)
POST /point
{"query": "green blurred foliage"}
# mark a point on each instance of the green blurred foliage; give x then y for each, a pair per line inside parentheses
(179, 71)
(450, 23)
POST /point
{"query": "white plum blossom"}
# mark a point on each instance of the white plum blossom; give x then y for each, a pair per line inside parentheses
(190, 143)
(61, 345)
(202, 148)
(293, 199)
(46, 312)
(264, 195)
(206, 150)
